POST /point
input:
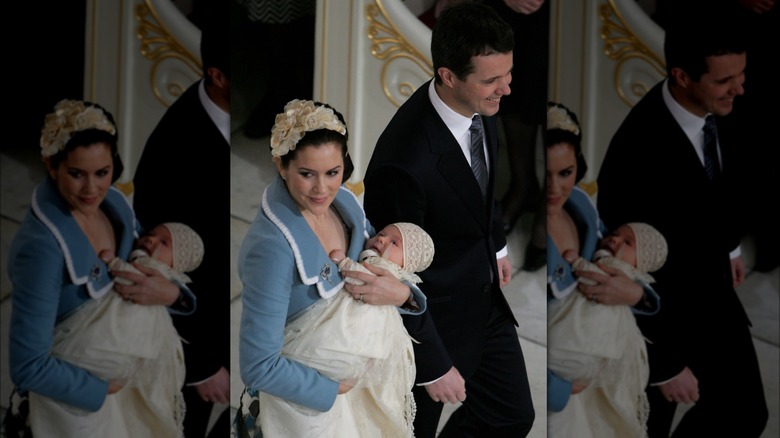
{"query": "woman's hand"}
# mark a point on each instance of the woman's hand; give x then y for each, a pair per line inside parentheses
(378, 290)
(612, 289)
(114, 387)
(149, 288)
(344, 387)
(577, 388)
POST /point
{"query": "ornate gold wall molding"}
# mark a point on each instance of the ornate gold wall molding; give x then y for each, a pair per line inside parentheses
(390, 46)
(623, 46)
(160, 47)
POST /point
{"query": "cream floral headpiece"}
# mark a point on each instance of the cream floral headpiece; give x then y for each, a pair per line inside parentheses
(301, 116)
(69, 117)
(558, 118)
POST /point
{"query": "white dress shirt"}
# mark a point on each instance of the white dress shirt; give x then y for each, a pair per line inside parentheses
(217, 115)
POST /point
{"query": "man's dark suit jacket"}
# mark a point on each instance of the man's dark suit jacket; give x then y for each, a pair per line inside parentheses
(652, 174)
(184, 176)
(418, 174)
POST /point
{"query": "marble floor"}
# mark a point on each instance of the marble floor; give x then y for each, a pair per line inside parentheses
(20, 170)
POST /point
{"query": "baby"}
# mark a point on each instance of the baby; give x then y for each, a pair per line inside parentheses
(171, 248)
(357, 343)
(401, 248)
(635, 248)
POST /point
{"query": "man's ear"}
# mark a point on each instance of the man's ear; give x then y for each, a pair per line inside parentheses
(681, 78)
(447, 76)
(217, 77)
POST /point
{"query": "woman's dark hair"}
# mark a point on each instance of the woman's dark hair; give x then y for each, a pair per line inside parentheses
(89, 137)
(556, 135)
(464, 31)
(322, 136)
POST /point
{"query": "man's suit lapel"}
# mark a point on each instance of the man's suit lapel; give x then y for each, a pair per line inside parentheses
(452, 165)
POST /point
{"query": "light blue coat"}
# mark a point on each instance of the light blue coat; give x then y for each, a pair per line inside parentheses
(54, 270)
(284, 270)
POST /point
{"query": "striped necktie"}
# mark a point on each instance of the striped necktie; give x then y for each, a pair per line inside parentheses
(478, 165)
(711, 165)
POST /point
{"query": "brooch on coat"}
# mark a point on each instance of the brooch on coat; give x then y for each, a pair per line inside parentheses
(325, 273)
(94, 273)
(559, 272)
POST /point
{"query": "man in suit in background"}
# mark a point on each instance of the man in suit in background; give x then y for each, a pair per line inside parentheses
(424, 170)
(673, 164)
(185, 160)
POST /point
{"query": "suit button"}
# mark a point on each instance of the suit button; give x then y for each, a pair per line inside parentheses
(486, 288)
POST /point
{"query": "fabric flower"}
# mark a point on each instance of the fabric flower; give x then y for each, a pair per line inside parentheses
(299, 117)
(557, 118)
(69, 117)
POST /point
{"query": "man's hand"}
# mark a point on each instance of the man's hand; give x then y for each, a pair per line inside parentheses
(737, 271)
(217, 388)
(504, 271)
(451, 388)
(757, 6)
(684, 388)
(524, 6)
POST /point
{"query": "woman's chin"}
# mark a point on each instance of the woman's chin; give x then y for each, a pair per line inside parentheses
(554, 208)
(86, 208)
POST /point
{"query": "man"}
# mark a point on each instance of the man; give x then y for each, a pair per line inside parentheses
(668, 166)
(185, 161)
(421, 172)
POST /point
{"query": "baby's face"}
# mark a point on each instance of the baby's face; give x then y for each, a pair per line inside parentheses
(389, 244)
(622, 244)
(158, 243)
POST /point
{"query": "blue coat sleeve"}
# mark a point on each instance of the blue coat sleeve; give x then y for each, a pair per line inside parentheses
(266, 268)
(38, 275)
(419, 297)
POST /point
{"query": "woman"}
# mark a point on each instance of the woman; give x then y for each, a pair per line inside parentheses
(60, 285)
(286, 272)
(592, 335)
